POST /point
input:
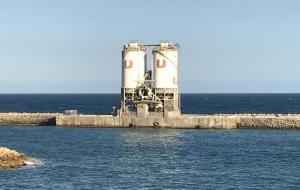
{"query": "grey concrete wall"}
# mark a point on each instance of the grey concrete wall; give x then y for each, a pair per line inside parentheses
(188, 121)
(80, 120)
(183, 121)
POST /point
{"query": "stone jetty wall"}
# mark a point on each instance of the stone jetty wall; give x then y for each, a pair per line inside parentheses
(184, 121)
(276, 121)
(27, 119)
(187, 121)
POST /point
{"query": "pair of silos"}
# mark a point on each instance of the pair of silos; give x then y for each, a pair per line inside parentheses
(165, 66)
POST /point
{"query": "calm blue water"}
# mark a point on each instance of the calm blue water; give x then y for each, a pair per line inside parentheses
(191, 103)
(82, 158)
(154, 159)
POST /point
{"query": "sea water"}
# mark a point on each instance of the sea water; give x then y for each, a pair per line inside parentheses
(85, 158)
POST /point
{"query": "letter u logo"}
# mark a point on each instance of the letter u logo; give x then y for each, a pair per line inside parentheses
(174, 80)
(128, 64)
(161, 65)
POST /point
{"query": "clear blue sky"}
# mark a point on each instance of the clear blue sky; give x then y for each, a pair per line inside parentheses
(74, 46)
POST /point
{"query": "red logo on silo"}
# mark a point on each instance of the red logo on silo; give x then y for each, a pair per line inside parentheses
(161, 65)
(128, 64)
(174, 80)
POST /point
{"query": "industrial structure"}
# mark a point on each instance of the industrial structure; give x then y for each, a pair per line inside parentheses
(150, 97)
(150, 88)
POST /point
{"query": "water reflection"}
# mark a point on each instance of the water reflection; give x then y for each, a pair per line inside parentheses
(151, 136)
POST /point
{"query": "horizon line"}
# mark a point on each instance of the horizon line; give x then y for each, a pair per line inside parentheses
(91, 93)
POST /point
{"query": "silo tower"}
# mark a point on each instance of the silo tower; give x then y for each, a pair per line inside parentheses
(151, 92)
(165, 76)
(133, 72)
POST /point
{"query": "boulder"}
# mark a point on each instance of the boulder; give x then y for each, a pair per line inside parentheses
(11, 159)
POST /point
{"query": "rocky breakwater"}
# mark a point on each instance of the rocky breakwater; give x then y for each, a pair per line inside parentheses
(11, 159)
(275, 121)
(27, 119)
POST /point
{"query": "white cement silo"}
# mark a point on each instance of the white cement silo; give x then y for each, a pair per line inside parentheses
(133, 65)
(165, 66)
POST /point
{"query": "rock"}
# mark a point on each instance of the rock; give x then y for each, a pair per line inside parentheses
(12, 159)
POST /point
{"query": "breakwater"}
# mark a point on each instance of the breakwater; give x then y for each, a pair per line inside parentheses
(275, 121)
(185, 121)
(24, 119)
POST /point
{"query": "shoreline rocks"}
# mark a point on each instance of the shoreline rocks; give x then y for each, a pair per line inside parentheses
(11, 159)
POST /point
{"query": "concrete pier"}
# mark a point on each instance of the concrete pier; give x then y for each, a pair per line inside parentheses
(183, 121)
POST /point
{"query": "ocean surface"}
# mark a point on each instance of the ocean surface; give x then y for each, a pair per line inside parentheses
(85, 158)
(190, 103)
